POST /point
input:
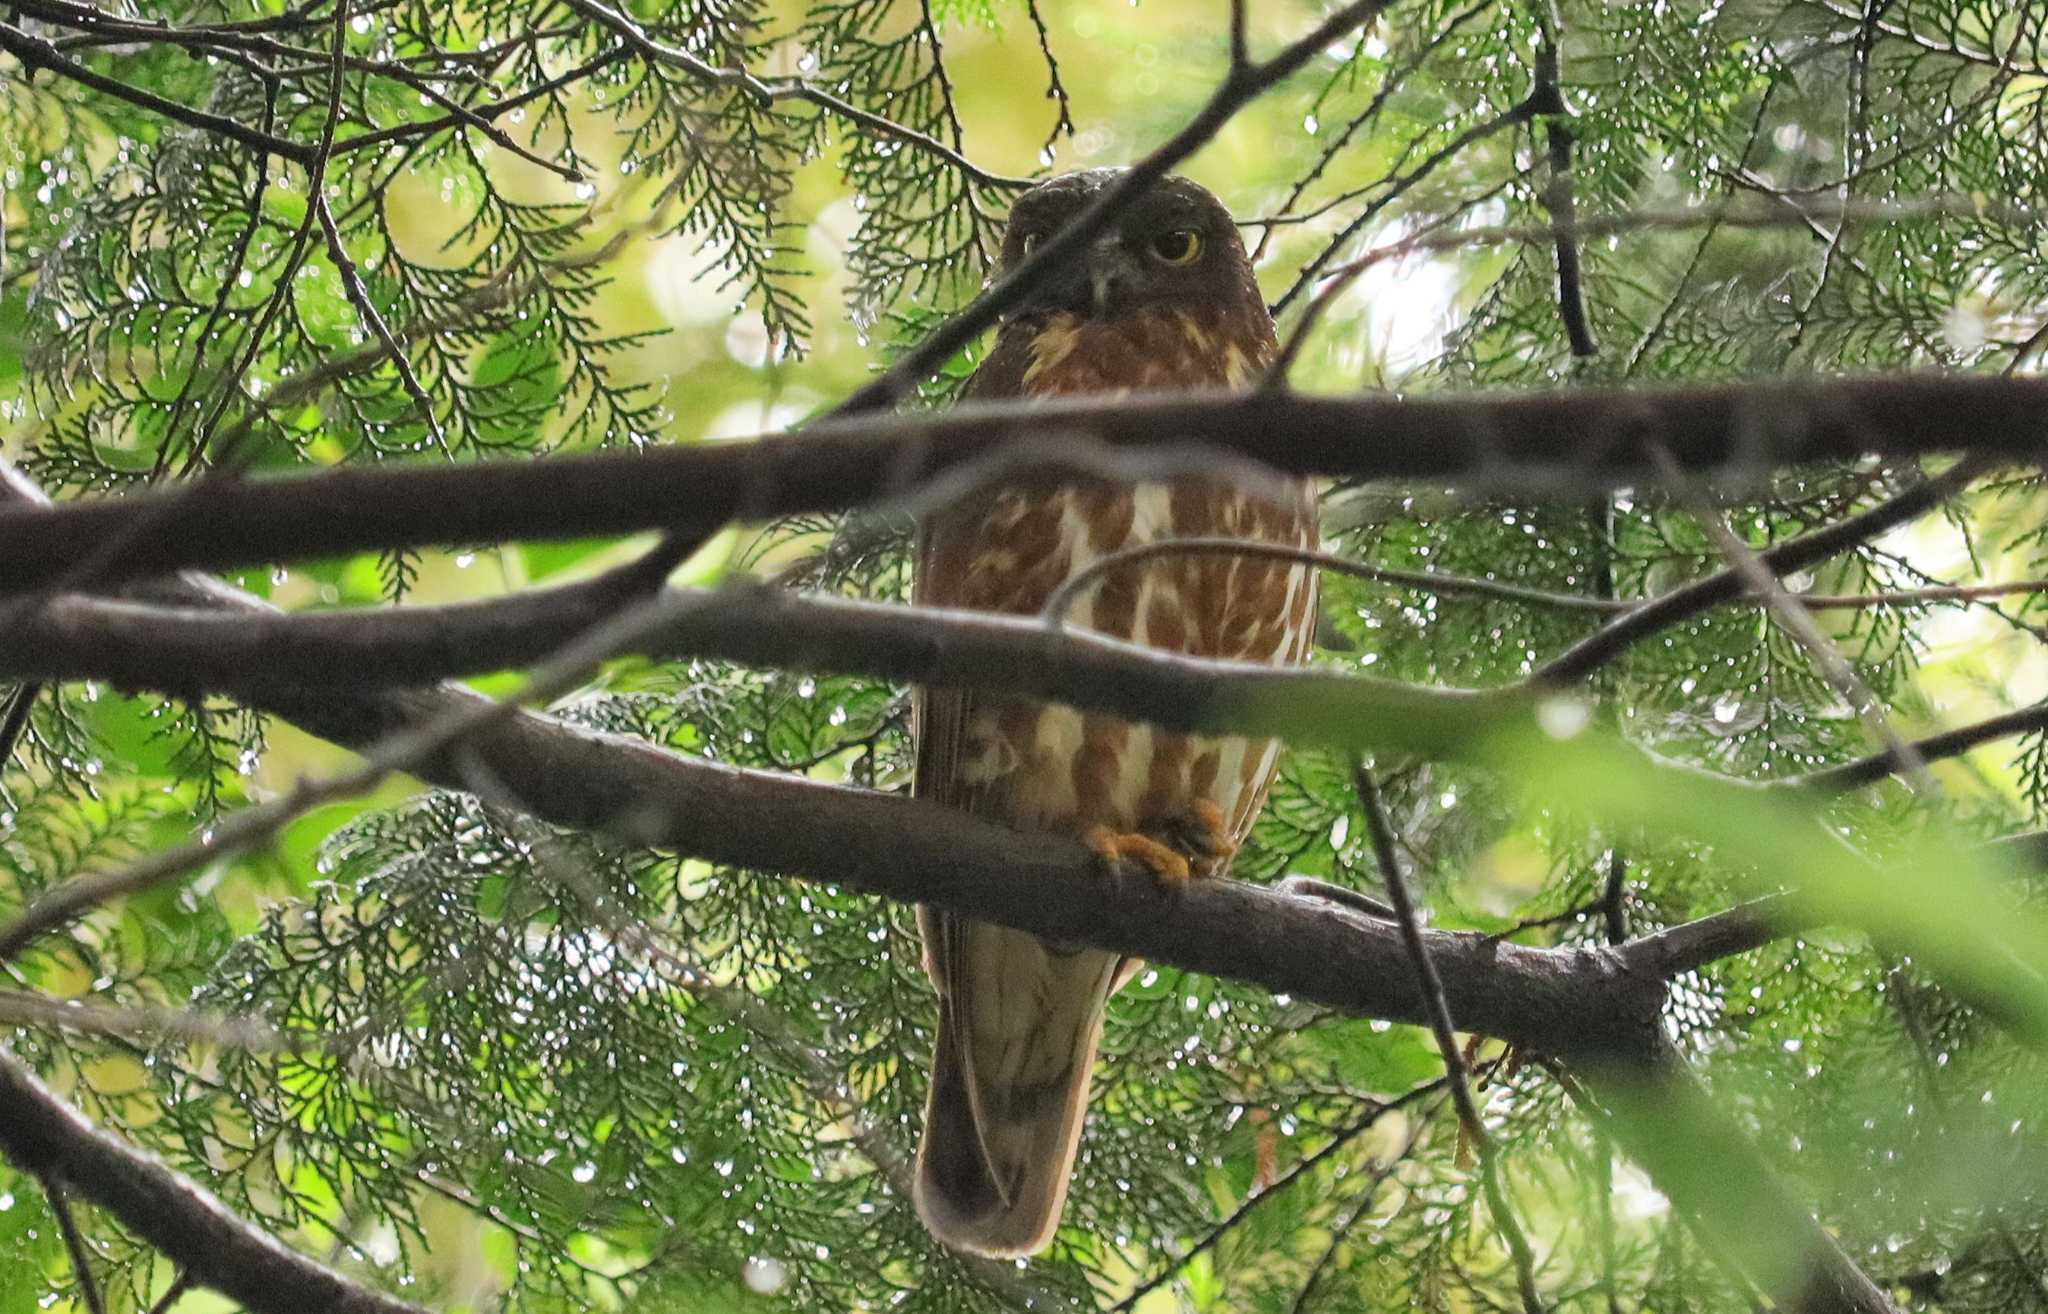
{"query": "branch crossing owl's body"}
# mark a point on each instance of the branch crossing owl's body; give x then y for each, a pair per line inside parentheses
(1165, 301)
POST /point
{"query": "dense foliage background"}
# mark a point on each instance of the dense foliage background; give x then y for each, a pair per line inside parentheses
(514, 1107)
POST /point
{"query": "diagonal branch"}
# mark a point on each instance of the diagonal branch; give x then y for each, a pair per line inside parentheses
(1245, 82)
(1381, 832)
(1681, 604)
(42, 1135)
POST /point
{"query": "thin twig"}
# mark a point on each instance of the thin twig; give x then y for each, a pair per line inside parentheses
(1519, 113)
(1056, 90)
(1063, 598)
(1681, 604)
(1950, 743)
(173, 1293)
(1341, 1230)
(21, 700)
(366, 309)
(252, 212)
(36, 53)
(1309, 1163)
(1558, 195)
(1381, 832)
(1655, 219)
(1395, 79)
(1834, 667)
(74, 1244)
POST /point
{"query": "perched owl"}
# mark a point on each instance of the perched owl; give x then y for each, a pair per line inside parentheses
(1164, 300)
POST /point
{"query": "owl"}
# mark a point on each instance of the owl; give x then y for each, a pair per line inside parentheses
(1164, 300)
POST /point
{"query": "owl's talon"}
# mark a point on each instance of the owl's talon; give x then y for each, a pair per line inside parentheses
(1201, 833)
(1125, 853)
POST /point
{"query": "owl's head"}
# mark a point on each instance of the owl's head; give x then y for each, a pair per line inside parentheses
(1175, 246)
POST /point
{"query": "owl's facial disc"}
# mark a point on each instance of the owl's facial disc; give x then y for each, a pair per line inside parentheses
(1174, 246)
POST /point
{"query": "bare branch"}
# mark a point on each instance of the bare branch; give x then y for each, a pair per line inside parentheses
(1951, 743)
(75, 1245)
(1691, 946)
(140, 645)
(1381, 833)
(1309, 1163)
(268, 653)
(1681, 604)
(1575, 441)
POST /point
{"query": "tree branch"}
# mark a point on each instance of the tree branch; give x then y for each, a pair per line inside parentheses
(1950, 743)
(36, 53)
(1381, 832)
(1245, 82)
(272, 654)
(1681, 604)
(1569, 442)
(44, 1136)
(1692, 945)
(1589, 1006)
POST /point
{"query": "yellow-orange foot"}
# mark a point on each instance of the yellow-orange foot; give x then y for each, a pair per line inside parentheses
(1201, 834)
(1128, 854)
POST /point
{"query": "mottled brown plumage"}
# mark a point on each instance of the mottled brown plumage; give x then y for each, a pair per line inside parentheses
(1020, 1018)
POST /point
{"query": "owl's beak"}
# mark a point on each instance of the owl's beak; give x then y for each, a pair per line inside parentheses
(1100, 285)
(1113, 275)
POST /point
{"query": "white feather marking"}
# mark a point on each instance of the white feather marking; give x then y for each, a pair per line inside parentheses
(1229, 775)
(1290, 648)
(1054, 343)
(990, 756)
(1151, 513)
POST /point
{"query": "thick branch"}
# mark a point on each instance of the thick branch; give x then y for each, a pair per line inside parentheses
(1553, 1000)
(1567, 442)
(1587, 1005)
(45, 1136)
(271, 654)
(266, 654)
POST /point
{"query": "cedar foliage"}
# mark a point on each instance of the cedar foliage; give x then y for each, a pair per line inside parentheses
(524, 1112)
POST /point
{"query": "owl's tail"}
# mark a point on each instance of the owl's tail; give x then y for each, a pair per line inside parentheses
(1016, 1046)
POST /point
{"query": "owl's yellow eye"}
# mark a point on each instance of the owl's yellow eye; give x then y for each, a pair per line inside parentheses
(1182, 246)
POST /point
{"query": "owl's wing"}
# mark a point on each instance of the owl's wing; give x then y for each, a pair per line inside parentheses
(1018, 1019)
(939, 717)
